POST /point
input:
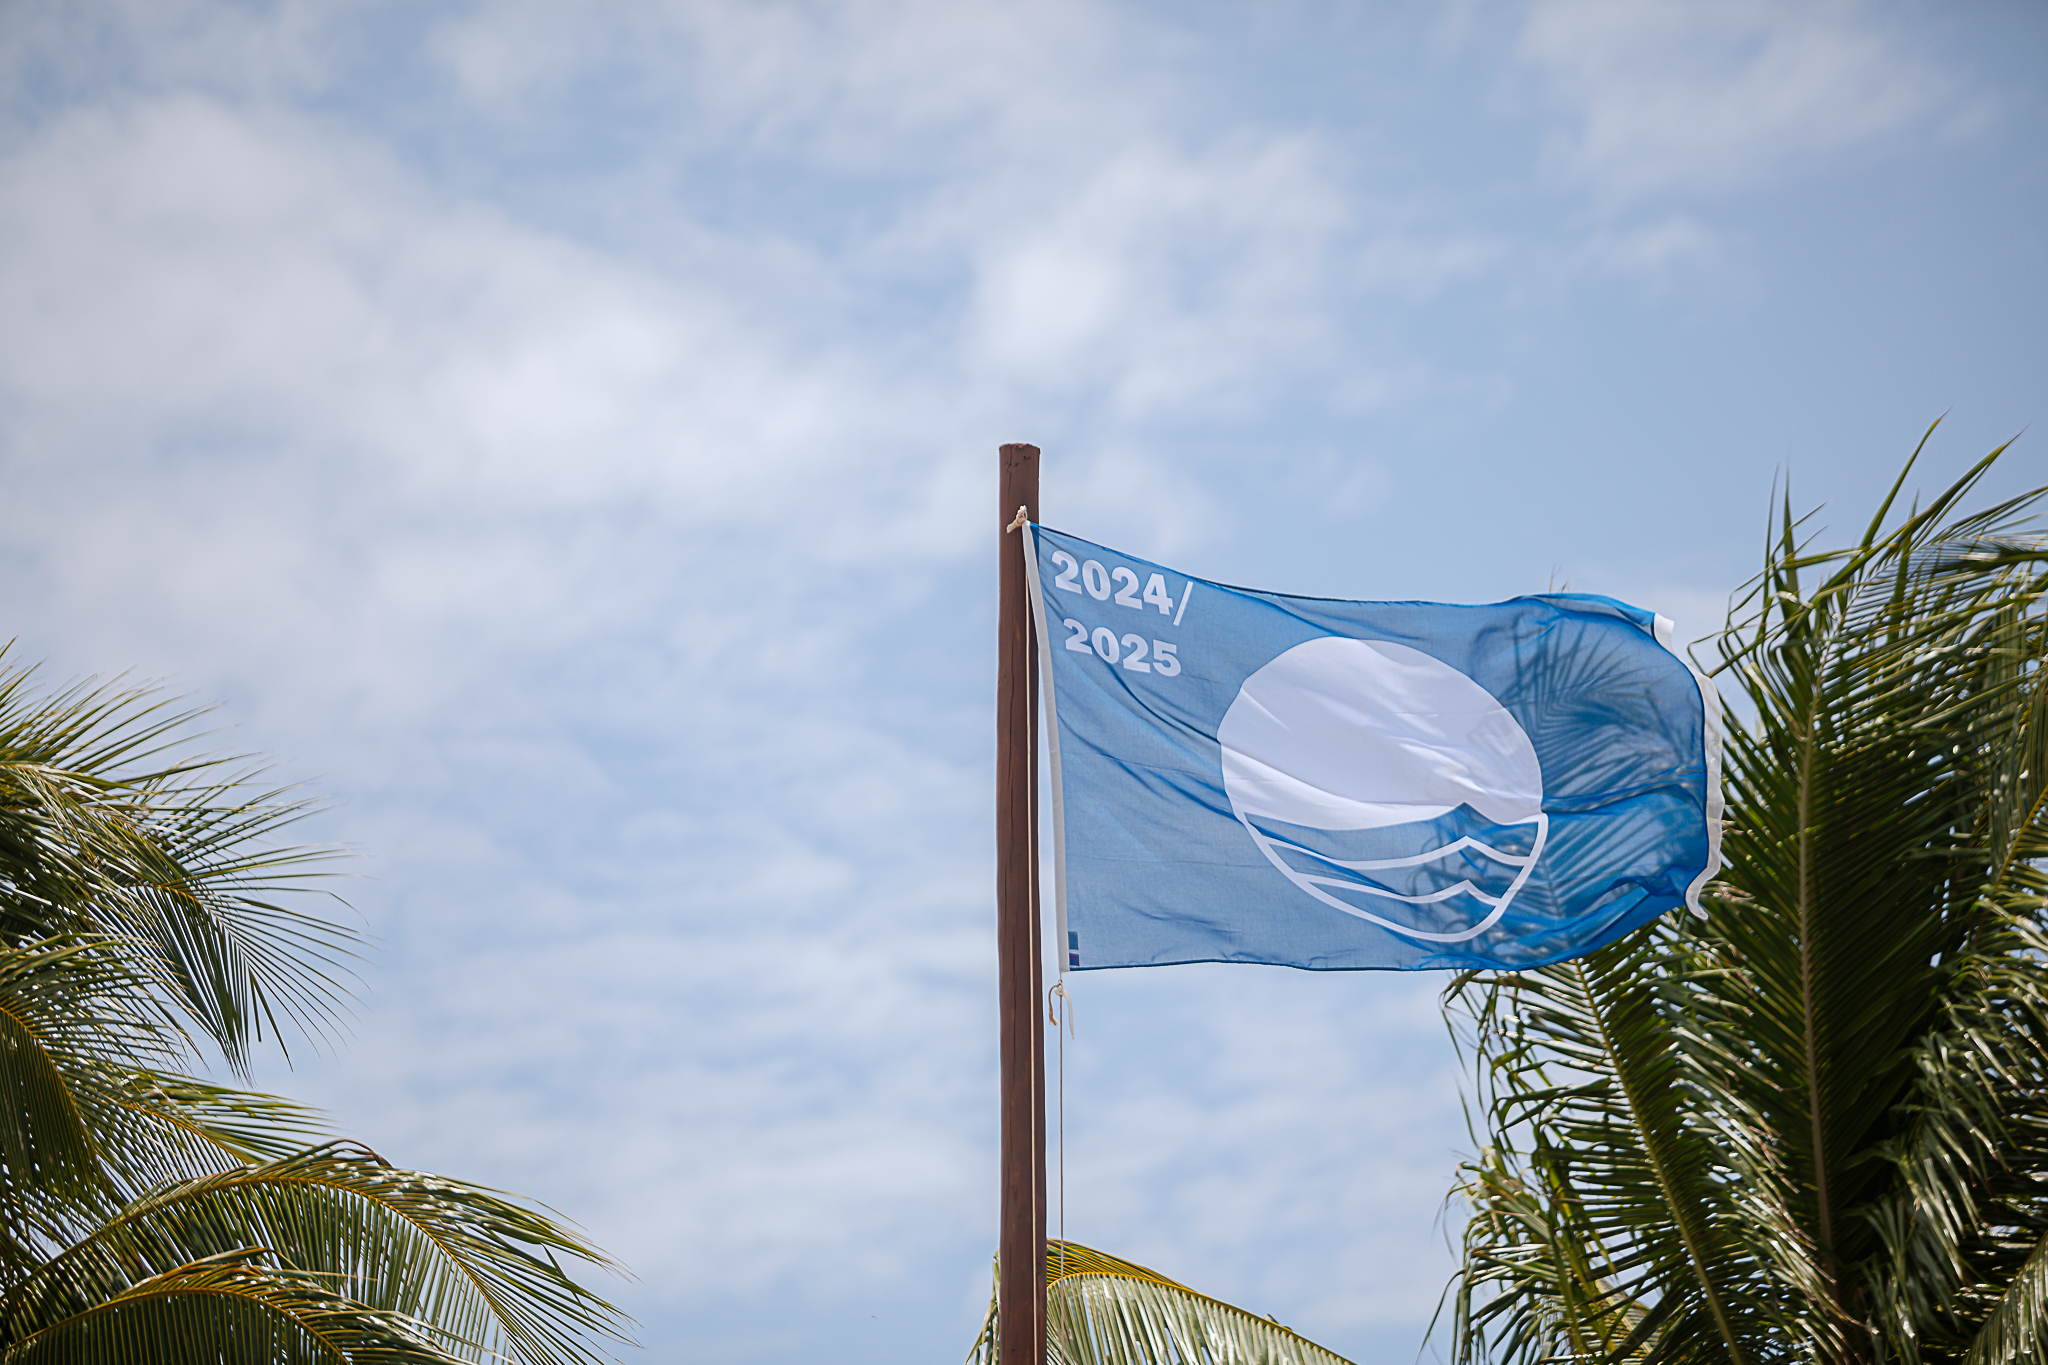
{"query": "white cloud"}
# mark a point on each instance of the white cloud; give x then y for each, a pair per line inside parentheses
(1670, 96)
(860, 85)
(507, 535)
(1180, 277)
(467, 506)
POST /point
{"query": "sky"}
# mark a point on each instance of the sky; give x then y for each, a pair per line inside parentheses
(564, 436)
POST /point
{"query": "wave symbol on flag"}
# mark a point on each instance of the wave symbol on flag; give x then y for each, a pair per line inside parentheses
(1387, 784)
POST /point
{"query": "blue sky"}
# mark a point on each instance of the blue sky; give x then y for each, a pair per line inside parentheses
(566, 435)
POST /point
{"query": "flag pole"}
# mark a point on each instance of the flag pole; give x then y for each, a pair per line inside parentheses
(1020, 1321)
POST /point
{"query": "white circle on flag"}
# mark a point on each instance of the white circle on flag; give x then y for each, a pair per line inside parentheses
(1344, 734)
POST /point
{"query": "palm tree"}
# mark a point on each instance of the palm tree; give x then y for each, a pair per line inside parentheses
(1100, 1310)
(147, 907)
(1813, 1124)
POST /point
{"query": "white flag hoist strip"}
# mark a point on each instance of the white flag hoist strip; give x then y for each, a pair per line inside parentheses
(1242, 776)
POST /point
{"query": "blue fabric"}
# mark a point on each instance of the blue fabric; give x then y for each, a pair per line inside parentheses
(1243, 776)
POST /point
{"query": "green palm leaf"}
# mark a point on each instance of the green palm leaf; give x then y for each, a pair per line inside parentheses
(1104, 1311)
(1818, 1118)
(471, 1261)
(80, 1123)
(149, 1215)
(2014, 1330)
(85, 1123)
(106, 832)
(1599, 1198)
(228, 1312)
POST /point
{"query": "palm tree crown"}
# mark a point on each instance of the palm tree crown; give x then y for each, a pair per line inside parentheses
(147, 905)
(1812, 1125)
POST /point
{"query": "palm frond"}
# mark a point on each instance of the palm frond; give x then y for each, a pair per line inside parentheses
(1101, 1310)
(107, 831)
(1889, 702)
(2017, 1329)
(1845, 1066)
(145, 1214)
(1534, 1286)
(1602, 1224)
(479, 1266)
(73, 1019)
(85, 1122)
(226, 1310)
(1966, 1204)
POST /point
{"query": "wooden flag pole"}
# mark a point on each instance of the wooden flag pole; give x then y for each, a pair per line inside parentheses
(1020, 1291)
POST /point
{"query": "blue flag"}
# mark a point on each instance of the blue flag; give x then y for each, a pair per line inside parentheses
(1243, 776)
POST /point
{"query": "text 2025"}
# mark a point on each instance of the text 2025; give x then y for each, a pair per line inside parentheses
(1120, 585)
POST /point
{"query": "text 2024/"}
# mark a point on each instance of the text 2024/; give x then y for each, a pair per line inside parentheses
(1119, 585)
